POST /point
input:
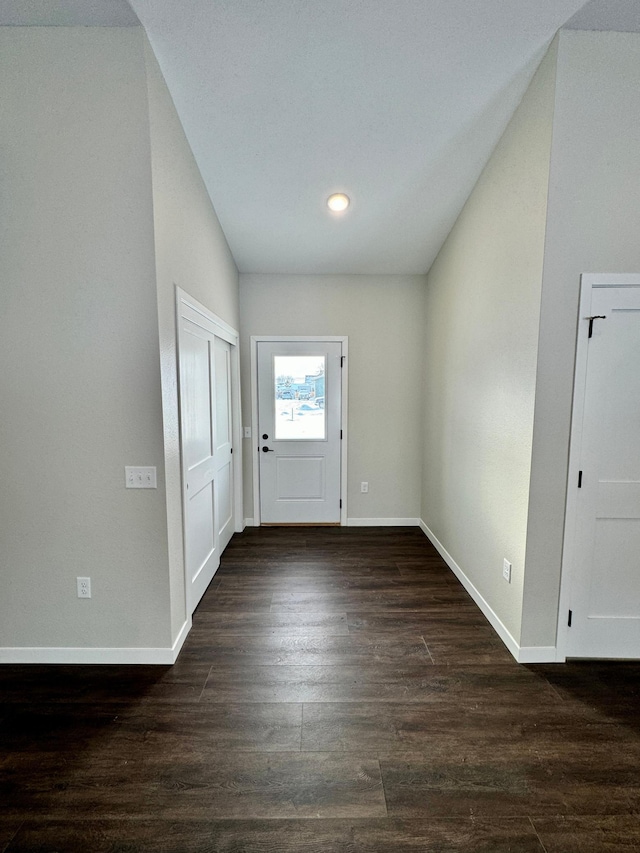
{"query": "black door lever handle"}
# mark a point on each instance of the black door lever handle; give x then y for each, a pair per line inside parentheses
(591, 319)
(267, 450)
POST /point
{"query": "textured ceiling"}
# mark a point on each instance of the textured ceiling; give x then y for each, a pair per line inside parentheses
(399, 104)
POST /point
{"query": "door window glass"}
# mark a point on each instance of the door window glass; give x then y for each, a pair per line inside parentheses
(299, 397)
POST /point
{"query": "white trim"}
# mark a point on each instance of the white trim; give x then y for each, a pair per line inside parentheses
(587, 282)
(538, 654)
(575, 441)
(613, 279)
(383, 522)
(49, 655)
(182, 636)
(495, 621)
(255, 453)
(249, 522)
(222, 328)
(344, 405)
(522, 654)
(237, 445)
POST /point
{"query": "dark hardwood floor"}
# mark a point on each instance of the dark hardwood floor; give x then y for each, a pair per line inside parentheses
(339, 693)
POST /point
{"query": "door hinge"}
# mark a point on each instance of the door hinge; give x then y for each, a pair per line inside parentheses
(342, 358)
(231, 450)
(340, 503)
(570, 618)
(579, 479)
(340, 435)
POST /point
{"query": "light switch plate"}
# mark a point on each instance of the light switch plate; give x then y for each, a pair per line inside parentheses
(140, 478)
(506, 570)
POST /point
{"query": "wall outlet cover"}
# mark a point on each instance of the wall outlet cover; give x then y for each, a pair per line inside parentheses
(84, 587)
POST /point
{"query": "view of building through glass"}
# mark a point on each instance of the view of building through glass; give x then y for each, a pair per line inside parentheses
(299, 397)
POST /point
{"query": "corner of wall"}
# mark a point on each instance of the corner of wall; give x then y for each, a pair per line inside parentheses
(592, 224)
(482, 309)
(191, 252)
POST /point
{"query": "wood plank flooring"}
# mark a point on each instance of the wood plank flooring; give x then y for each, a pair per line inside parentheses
(339, 693)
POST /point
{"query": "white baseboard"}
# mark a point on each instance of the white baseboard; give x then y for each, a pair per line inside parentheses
(522, 654)
(366, 522)
(383, 522)
(183, 633)
(538, 654)
(64, 655)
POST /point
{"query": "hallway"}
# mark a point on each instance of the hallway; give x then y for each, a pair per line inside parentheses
(339, 693)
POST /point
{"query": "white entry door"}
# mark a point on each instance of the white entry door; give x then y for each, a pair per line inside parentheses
(605, 590)
(207, 452)
(299, 431)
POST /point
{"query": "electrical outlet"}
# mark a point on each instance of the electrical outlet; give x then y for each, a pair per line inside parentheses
(84, 587)
(246, 432)
(140, 478)
(506, 570)
(364, 488)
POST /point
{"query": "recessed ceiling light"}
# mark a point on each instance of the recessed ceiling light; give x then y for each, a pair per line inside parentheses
(338, 202)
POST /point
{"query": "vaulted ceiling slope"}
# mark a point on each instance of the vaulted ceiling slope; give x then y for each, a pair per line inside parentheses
(398, 104)
(67, 13)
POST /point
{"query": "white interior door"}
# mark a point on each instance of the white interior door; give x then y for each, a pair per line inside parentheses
(299, 431)
(207, 430)
(605, 589)
(223, 443)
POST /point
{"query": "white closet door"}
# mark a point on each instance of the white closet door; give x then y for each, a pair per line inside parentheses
(605, 590)
(223, 446)
(205, 354)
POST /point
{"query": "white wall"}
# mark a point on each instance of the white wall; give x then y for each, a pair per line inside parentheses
(593, 226)
(481, 331)
(80, 379)
(191, 252)
(104, 213)
(382, 317)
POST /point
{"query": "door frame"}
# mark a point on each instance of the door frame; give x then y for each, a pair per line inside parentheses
(567, 573)
(188, 307)
(344, 384)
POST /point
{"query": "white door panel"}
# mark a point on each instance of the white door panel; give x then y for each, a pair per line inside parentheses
(605, 593)
(223, 439)
(300, 478)
(196, 384)
(299, 421)
(195, 370)
(206, 428)
(201, 518)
